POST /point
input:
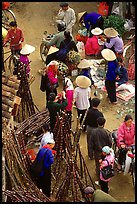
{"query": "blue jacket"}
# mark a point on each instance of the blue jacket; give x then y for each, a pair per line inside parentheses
(48, 160)
(91, 19)
(111, 71)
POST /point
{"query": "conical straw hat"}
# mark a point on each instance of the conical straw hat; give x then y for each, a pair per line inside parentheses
(96, 31)
(27, 49)
(83, 64)
(4, 32)
(80, 15)
(83, 82)
(52, 49)
(108, 54)
(110, 32)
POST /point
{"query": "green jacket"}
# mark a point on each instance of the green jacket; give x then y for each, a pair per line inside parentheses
(56, 40)
(54, 108)
(100, 196)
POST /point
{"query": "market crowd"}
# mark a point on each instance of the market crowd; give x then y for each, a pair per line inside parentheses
(63, 56)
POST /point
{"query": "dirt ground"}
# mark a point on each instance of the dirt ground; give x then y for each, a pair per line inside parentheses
(36, 17)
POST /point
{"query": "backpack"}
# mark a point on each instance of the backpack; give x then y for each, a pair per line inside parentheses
(62, 54)
(107, 171)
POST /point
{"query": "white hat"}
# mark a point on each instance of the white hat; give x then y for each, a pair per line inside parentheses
(52, 49)
(107, 149)
(83, 64)
(27, 49)
(110, 32)
(53, 62)
(96, 31)
(83, 81)
(108, 54)
(80, 15)
(50, 140)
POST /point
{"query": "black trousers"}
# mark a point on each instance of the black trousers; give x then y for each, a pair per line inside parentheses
(82, 112)
(121, 155)
(104, 186)
(44, 182)
(111, 90)
(97, 156)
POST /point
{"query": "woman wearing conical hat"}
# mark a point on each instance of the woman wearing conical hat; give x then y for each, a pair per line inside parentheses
(92, 46)
(82, 93)
(110, 81)
(114, 41)
(24, 56)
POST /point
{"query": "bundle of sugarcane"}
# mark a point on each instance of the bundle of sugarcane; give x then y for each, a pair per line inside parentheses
(10, 87)
(34, 123)
(17, 166)
(68, 185)
(27, 107)
(25, 196)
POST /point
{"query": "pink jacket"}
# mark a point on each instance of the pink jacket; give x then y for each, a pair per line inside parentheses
(52, 77)
(25, 60)
(128, 135)
(110, 159)
(92, 46)
(69, 96)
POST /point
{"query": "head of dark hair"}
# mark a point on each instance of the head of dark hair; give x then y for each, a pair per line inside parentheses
(62, 4)
(67, 34)
(128, 117)
(13, 24)
(90, 35)
(52, 96)
(119, 59)
(46, 127)
(101, 121)
(95, 102)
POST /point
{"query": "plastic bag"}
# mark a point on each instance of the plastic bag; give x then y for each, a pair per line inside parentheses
(81, 49)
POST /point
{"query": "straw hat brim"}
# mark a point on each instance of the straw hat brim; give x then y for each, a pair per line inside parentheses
(80, 15)
(110, 32)
(52, 49)
(83, 64)
(83, 82)
(4, 32)
(108, 54)
(27, 49)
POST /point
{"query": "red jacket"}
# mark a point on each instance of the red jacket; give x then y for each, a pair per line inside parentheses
(14, 38)
(92, 47)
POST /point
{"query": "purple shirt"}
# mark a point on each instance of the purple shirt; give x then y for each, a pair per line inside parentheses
(117, 43)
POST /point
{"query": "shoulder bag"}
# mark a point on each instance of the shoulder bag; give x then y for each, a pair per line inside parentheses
(107, 171)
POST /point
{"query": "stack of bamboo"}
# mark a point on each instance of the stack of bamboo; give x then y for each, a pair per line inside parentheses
(70, 173)
(10, 86)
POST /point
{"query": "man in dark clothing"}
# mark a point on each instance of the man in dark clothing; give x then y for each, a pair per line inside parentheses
(100, 137)
(54, 106)
(91, 123)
